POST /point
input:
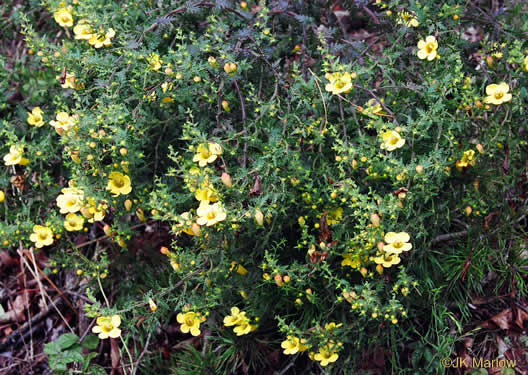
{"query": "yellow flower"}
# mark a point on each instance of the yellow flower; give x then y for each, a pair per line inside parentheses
(73, 222)
(210, 214)
(392, 140)
(240, 269)
(387, 260)
(64, 123)
(107, 326)
(525, 63)
(397, 243)
(326, 355)
(235, 318)
(42, 236)
(497, 94)
(15, 156)
(408, 19)
(2, 196)
(83, 30)
(467, 160)
(340, 83)
(35, 117)
(334, 216)
(293, 345)
(207, 153)
(206, 193)
(155, 62)
(352, 260)
(101, 38)
(372, 109)
(71, 200)
(63, 17)
(244, 327)
(331, 326)
(94, 211)
(190, 322)
(427, 48)
(118, 183)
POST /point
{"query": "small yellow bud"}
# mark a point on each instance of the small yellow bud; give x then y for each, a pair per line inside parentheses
(468, 210)
(259, 218)
(225, 106)
(380, 245)
(286, 279)
(456, 17)
(152, 305)
(195, 228)
(389, 13)
(419, 169)
(141, 215)
(243, 5)
(278, 280)
(480, 149)
(244, 294)
(489, 61)
(2, 196)
(363, 271)
(123, 151)
(107, 229)
(79, 272)
(354, 164)
(379, 269)
(128, 204)
(266, 276)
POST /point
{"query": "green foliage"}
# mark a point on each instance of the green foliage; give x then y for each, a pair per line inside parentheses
(67, 351)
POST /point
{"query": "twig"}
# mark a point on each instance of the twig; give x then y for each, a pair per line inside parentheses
(142, 354)
(449, 236)
(244, 161)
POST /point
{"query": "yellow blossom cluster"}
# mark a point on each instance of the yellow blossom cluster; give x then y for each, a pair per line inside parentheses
(63, 123)
(408, 19)
(84, 31)
(395, 244)
(468, 159)
(327, 354)
(241, 322)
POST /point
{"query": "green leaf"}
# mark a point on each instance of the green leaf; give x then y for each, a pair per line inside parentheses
(52, 348)
(67, 340)
(90, 342)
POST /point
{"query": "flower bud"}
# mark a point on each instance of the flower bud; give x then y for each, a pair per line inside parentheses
(123, 151)
(175, 265)
(195, 228)
(107, 229)
(128, 204)
(489, 61)
(363, 271)
(419, 169)
(212, 61)
(122, 243)
(226, 179)
(354, 164)
(278, 280)
(141, 215)
(2, 196)
(468, 210)
(259, 218)
(75, 157)
(243, 5)
(375, 220)
(286, 279)
(301, 221)
(380, 245)
(152, 305)
(244, 294)
(480, 149)
(164, 251)
(266, 276)
(225, 106)
(379, 269)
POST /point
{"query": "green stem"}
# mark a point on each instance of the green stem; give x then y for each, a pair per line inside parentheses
(129, 355)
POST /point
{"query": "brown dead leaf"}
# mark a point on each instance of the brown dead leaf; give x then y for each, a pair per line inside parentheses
(326, 234)
(257, 187)
(520, 317)
(115, 354)
(6, 260)
(503, 320)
